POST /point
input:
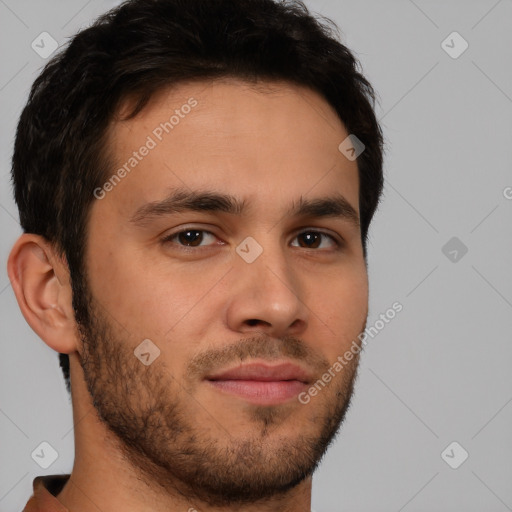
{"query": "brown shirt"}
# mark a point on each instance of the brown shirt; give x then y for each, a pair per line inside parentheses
(45, 490)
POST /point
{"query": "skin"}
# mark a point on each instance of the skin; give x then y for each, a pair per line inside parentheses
(159, 437)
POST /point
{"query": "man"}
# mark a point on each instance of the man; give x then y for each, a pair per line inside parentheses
(195, 182)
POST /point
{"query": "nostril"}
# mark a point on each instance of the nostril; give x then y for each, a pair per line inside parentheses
(252, 322)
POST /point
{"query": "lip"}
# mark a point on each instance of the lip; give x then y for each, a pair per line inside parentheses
(264, 373)
(261, 383)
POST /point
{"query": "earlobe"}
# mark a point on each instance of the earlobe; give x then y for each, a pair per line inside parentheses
(41, 284)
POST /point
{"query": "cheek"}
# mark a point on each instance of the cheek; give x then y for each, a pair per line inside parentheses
(155, 300)
(343, 306)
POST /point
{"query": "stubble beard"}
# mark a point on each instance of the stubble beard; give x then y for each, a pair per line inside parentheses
(148, 415)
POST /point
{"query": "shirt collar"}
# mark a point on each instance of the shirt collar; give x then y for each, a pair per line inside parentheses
(46, 488)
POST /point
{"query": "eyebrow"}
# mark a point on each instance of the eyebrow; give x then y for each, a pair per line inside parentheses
(183, 200)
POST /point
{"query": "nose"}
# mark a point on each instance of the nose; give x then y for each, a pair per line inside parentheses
(266, 295)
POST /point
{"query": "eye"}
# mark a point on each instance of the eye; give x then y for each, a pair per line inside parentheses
(188, 237)
(312, 238)
(193, 237)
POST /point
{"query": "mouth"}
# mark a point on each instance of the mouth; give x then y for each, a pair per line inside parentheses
(261, 383)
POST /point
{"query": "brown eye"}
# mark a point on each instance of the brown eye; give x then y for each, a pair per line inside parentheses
(188, 237)
(313, 239)
(193, 237)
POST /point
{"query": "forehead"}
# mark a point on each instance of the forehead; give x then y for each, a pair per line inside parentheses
(267, 144)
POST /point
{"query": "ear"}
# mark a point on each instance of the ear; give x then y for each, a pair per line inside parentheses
(40, 280)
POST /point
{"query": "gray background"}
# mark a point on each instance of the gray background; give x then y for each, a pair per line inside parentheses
(440, 371)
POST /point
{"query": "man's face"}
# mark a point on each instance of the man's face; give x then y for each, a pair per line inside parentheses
(211, 299)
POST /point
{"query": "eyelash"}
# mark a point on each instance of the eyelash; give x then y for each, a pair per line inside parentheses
(170, 237)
